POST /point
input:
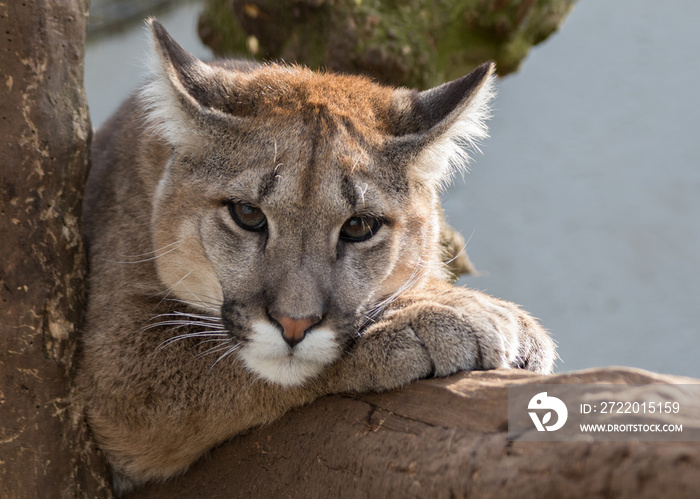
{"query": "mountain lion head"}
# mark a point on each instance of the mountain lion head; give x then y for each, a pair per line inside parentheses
(294, 204)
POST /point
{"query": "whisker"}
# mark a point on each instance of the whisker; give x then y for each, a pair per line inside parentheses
(143, 260)
(207, 332)
(202, 334)
(214, 302)
(224, 355)
(212, 318)
(457, 255)
(207, 318)
(177, 314)
(211, 350)
(419, 271)
(215, 340)
(463, 250)
(139, 255)
(172, 288)
(214, 305)
(179, 324)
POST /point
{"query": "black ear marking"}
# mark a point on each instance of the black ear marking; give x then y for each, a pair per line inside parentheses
(178, 57)
(437, 103)
(196, 78)
(421, 111)
(433, 129)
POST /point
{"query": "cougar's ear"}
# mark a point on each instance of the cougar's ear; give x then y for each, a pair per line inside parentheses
(435, 129)
(184, 94)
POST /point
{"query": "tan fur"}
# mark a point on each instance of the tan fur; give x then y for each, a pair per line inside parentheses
(181, 351)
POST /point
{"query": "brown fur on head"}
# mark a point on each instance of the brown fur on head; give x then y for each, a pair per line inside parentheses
(310, 151)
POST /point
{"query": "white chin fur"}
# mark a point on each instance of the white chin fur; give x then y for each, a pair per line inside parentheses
(270, 357)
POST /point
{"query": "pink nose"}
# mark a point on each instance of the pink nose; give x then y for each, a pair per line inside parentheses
(294, 329)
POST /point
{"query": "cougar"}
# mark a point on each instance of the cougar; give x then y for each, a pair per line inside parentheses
(261, 235)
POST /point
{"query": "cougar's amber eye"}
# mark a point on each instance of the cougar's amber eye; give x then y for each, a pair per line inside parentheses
(248, 217)
(358, 229)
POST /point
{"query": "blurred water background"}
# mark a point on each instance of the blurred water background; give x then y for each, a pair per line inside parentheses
(585, 205)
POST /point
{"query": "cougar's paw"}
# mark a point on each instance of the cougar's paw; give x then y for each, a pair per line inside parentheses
(439, 333)
(463, 329)
(384, 357)
(457, 342)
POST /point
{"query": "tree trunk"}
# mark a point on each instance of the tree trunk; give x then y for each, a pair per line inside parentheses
(414, 43)
(440, 438)
(45, 132)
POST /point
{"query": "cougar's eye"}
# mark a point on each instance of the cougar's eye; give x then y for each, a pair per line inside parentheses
(358, 229)
(248, 217)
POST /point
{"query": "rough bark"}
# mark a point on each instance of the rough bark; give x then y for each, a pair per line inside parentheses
(45, 131)
(438, 438)
(417, 43)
